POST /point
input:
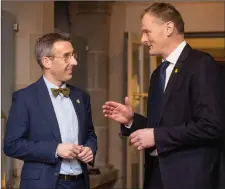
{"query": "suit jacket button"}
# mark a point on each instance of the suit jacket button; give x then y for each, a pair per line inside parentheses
(56, 174)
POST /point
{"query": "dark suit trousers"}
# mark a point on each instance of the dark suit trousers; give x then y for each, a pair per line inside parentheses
(155, 179)
(78, 184)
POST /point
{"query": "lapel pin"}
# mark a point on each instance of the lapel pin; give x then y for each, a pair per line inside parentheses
(176, 70)
(78, 101)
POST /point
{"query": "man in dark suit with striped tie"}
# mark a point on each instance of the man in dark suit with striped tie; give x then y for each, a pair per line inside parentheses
(182, 134)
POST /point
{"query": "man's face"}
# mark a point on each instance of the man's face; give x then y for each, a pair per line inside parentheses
(63, 61)
(153, 34)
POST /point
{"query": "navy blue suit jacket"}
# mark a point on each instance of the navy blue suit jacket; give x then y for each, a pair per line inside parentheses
(32, 134)
(189, 129)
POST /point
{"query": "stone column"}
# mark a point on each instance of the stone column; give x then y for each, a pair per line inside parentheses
(116, 87)
(91, 20)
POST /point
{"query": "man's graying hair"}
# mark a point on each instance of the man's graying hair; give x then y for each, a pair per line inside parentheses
(44, 44)
(166, 12)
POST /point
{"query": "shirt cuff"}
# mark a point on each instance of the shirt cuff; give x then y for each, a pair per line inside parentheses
(129, 125)
(56, 154)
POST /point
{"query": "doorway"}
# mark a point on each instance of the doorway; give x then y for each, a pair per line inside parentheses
(139, 66)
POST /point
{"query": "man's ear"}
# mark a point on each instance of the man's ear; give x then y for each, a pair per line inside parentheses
(169, 28)
(46, 62)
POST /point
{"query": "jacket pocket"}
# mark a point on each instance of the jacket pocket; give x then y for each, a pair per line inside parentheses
(31, 173)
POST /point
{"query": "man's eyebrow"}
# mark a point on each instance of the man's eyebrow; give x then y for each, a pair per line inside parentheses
(145, 30)
(68, 53)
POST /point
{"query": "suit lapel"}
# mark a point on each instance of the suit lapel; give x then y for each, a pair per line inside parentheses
(173, 77)
(47, 108)
(78, 104)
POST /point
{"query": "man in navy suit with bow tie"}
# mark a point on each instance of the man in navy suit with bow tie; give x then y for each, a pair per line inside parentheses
(50, 123)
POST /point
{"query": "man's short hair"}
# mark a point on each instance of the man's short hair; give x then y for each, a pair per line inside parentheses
(44, 44)
(166, 12)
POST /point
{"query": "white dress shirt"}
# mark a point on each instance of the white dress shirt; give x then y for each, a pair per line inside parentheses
(172, 58)
(68, 126)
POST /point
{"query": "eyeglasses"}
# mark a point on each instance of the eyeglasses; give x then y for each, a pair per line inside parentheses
(67, 57)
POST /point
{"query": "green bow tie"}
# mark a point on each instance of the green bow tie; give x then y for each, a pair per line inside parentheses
(64, 91)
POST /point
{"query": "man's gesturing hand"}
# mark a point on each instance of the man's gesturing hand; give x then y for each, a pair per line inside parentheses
(121, 113)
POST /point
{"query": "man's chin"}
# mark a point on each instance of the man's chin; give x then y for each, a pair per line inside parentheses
(153, 53)
(69, 77)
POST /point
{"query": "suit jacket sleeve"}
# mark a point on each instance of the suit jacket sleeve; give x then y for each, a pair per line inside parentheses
(139, 122)
(17, 144)
(206, 124)
(92, 138)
